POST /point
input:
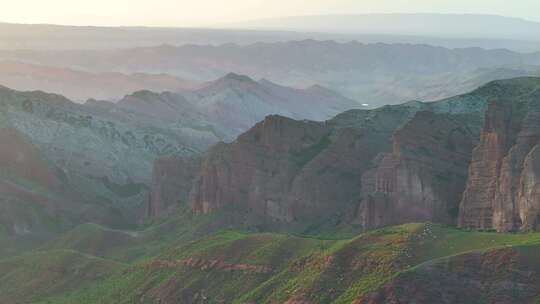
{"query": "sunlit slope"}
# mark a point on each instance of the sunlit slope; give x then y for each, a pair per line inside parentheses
(237, 267)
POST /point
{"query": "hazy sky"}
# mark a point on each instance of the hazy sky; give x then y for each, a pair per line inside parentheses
(213, 12)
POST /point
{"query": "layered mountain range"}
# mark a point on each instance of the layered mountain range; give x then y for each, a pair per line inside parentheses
(393, 158)
(64, 163)
(316, 203)
(92, 162)
(80, 86)
(467, 160)
(447, 30)
(234, 103)
(374, 74)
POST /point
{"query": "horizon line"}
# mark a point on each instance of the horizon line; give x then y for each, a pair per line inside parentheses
(223, 25)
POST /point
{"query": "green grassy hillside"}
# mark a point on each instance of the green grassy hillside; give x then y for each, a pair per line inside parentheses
(239, 267)
(35, 276)
(154, 237)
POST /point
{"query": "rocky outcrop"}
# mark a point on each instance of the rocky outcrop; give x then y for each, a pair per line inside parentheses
(477, 205)
(500, 192)
(308, 174)
(296, 173)
(256, 172)
(528, 199)
(20, 159)
(171, 183)
(423, 177)
(396, 164)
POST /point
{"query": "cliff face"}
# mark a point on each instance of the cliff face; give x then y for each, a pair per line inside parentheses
(299, 173)
(502, 183)
(463, 160)
(529, 191)
(495, 141)
(171, 183)
(423, 177)
(257, 172)
(397, 166)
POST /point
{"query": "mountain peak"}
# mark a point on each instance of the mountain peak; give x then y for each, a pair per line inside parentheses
(231, 80)
(143, 94)
(236, 77)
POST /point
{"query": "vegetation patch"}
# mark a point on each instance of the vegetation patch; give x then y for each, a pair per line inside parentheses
(224, 266)
(301, 158)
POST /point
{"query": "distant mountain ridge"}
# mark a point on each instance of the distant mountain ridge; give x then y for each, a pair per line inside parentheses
(435, 29)
(233, 103)
(374, 74)
(440, 25)
(80, 86)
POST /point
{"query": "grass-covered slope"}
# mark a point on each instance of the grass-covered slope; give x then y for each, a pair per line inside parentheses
(153, 238)
(31, 277)
(500, 275)
(238, 267)
(96, 240)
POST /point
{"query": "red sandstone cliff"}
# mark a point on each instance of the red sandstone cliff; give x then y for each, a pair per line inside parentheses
(171, 183)
(305, 173)
(257, 172)
(423, 177)
(397, 164)
(501, 189)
